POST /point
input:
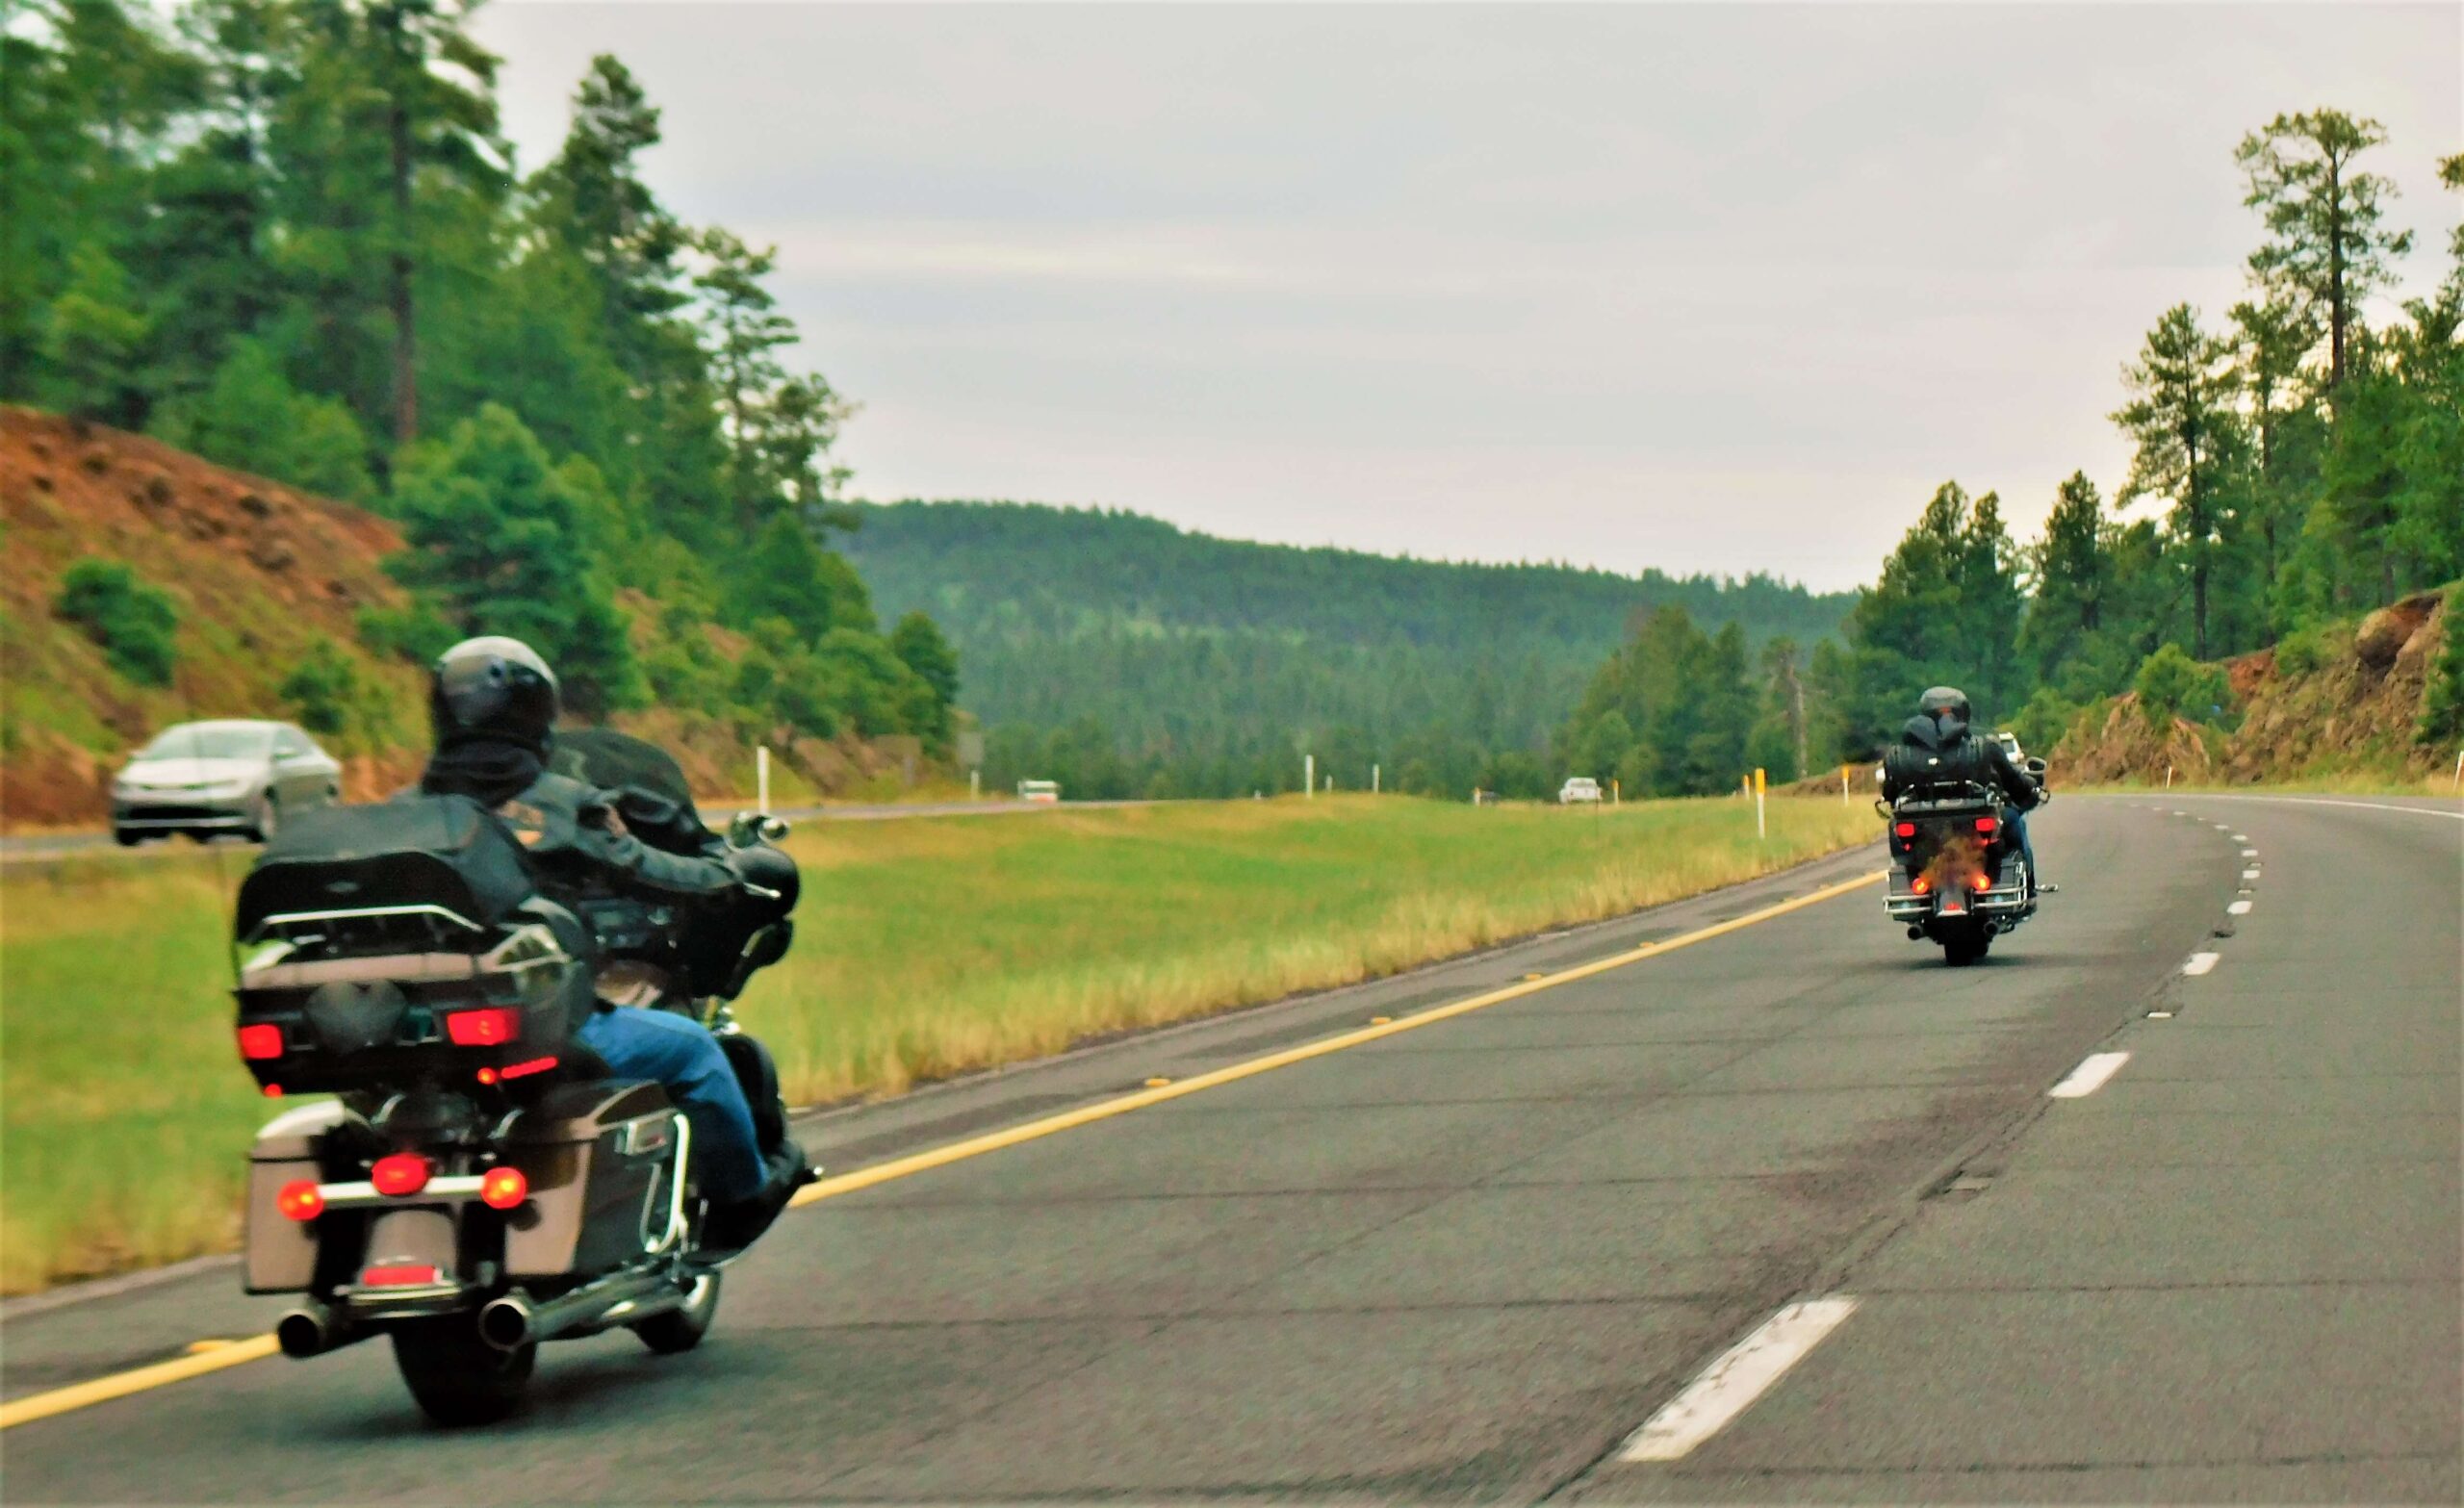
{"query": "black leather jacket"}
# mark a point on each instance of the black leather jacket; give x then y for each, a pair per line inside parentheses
(1948, 744)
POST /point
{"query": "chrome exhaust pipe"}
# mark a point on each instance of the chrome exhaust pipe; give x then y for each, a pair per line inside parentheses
(515, 1321)
(313, 1329)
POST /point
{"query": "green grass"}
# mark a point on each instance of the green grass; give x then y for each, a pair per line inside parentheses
(926, 947)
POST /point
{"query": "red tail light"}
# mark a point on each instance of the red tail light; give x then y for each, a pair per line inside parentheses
(400, 1173)
(1920, 885)
(260, 1042)
(483, 1028)
(300, 1199)
(503, 1188)
(524, 1070)
(1987, 824)
(1903, 829)
(402, 1275)
(1980, 881)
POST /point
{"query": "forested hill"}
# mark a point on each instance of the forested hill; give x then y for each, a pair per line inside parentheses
(1122, 655)
(1007, 568)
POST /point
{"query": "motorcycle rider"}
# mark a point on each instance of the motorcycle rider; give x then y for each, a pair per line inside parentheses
(1941, 727)
(493, 703)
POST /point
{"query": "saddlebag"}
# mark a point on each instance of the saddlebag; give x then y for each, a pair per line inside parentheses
(601, 1158)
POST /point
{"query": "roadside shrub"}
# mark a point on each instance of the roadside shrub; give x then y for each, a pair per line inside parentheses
(2442, 699)
(323, 691)
(2305, 651)
(2172, 684)
(418, 632)
(130, 621)
(2041, 724)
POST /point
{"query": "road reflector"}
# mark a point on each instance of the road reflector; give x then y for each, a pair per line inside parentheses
(208, 1343)
(1157, 1082)
(1535, 976)
(1380, 1020)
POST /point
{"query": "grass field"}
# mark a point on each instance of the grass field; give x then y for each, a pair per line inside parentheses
(926, 947)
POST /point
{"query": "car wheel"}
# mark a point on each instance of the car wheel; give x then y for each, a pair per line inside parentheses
(126, 838)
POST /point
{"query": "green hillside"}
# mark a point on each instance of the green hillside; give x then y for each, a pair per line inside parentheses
(1122, 655)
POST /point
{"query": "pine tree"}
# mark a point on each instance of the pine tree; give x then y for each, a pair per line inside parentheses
(2329, 247)
(2181, 417)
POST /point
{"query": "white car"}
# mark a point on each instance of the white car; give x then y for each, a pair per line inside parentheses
(1581, 788)
(230, 776)
(1040, 791)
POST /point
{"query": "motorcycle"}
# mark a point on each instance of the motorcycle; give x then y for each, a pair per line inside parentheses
(1957, 877)
(479, 1185)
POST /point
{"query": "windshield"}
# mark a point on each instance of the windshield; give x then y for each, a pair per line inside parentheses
(209, 741)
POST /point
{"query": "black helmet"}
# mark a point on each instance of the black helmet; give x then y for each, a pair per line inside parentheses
(491, 688)
(1941, 701)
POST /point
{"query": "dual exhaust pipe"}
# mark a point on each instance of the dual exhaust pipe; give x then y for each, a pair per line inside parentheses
(515, 1321)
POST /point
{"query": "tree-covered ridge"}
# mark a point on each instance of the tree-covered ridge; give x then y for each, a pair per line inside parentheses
(988, 568)
(2292, 464)
(290, 236)
(1122, 655)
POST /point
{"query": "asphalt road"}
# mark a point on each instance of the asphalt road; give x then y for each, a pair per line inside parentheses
(1473, 1260)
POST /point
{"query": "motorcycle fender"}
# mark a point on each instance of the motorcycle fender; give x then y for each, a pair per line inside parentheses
(418, 1237)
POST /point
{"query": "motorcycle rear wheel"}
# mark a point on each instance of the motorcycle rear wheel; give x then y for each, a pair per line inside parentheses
(1962, 948)
(682, 1329)
(458, 1379)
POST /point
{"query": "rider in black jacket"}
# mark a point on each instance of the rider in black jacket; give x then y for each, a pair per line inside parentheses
(494, 703)
(1941, 728)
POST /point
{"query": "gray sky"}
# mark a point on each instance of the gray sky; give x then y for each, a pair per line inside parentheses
(1710, 288)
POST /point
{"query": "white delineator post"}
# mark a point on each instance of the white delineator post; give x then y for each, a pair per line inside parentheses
(2169, 777)
(975, 785)
(2459, 769)
(1309, 775)
(1761, 829)
(1843, 786)
(761, 777)
(1374, 785)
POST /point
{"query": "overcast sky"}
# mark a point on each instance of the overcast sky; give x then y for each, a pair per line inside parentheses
(1709, 287)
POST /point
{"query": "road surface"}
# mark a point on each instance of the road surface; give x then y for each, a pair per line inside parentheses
(1500, 1255)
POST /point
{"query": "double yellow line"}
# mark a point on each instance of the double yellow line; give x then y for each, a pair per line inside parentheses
(143, 1379)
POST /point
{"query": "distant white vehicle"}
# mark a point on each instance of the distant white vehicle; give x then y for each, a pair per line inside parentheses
(1047, 791)
(1581, 788)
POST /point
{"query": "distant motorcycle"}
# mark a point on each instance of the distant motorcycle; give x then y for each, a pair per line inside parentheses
(1957, 875)
(478, 1185)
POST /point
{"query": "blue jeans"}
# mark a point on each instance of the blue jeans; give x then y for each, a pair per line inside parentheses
(2016, 823)
(686, 1059)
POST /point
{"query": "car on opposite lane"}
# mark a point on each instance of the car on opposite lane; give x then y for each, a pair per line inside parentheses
(1580, 788)
(229, 775)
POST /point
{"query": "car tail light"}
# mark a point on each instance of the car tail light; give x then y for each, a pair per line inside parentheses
(503, 1188)
(260, 1042)
(300, 1199)
(1987, 824)
(1903, 829)
(400, 1173)
(483, 1028)
(401, 1274)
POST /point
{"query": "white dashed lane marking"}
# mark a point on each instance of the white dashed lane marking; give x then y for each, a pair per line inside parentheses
(2198, 963)
(2249, 852)
(2089, 1076)
(2252, 873)
(2239, 908)
(1730, 1384)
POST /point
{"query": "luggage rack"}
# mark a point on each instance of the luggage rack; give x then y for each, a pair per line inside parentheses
(391, 929)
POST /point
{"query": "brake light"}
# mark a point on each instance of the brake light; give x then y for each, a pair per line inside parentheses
(1920, 885)
(1987, 824)
(483, 1028)
(524, 1070)
(402, 1274)
(260, 1042)
(503, 1188)
(300, 1199)
(400, 1173)
(1981, 881)
(1903, 829)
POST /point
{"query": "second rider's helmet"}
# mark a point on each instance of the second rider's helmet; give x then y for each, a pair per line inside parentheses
(1945, 702)
(495, 689)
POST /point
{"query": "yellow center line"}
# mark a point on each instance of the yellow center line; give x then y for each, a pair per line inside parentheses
(119, 1385)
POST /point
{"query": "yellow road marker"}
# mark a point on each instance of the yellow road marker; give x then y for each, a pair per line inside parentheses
(103, 1389)
(1157, 1082)
(209, 1344)
(119, 1385)
(1379, 1020)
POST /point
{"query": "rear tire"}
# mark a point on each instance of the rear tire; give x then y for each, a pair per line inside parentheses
(682, 1329)
(1965, 948)
(458, 1379)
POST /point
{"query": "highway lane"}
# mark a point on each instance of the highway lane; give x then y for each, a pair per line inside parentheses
(1469, 1261)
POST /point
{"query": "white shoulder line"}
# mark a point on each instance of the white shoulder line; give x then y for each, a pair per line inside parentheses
(2365, 806)
(2089, 1076)
(1730, 1384)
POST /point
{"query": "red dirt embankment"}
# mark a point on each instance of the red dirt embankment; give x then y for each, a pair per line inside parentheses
(2341, 701)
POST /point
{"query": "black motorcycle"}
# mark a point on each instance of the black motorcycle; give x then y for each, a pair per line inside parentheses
(1956, 875)
(478, 1185)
